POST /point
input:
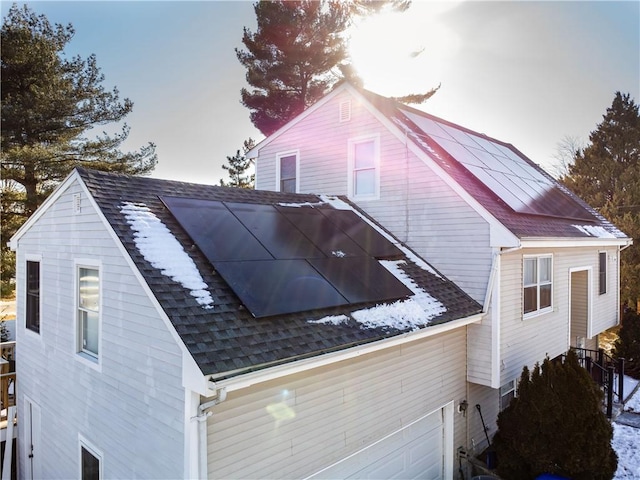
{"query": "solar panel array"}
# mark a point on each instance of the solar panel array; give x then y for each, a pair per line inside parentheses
(282, 260)
(518, 183)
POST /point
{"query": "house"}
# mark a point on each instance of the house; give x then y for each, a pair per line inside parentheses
(542, 263)
(174, 330)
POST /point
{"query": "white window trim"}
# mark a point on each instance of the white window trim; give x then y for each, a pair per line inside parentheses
(91, 448)
(539, 311)
(279, 156)
(606, 272)
(351, 143)
(35, 335)
(85, 358)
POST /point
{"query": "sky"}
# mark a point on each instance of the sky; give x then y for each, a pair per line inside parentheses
(528, 73)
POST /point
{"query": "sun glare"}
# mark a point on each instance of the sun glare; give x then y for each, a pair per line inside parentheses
(397, 53)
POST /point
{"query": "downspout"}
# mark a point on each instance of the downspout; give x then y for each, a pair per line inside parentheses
(620, 249)
(203, 415)
(494, 278)
(492, 275)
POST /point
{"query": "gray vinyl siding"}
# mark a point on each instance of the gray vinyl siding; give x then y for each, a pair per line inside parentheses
(133, 409)
(479, 351)
(332, 411)
(416, 205)
(527, 341)
(489, 401)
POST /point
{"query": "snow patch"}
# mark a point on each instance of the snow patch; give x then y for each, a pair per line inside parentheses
(331, 320)
(401, 315)
(432, 307)
(298, 205)
(161, 249)
(625, 443)
(335, 202)
(595, 231)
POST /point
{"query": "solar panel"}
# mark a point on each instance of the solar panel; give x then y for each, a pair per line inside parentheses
(360, 279)
(273, 287)
(274, 231)
(215, 230)
(322, 232)
(368, 238)
(506, 173)
(282, 260)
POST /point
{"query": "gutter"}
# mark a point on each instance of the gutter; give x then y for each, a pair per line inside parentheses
(247, 380)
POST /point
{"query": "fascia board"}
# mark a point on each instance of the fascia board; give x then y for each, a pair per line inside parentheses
(260, 376)
(255, 151)
(50, 200)
(574, 242)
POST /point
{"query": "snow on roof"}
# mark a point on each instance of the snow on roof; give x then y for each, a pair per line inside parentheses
(413, 313)
(595, 231)
(430, 305)
(163, 251)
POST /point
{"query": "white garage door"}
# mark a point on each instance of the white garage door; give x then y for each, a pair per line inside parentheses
(415, 451)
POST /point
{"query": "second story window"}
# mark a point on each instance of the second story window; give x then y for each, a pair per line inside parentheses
(537, 283)
(364, 167)
(89, 311)
(32, 313)
(602, 272)
(287, 172)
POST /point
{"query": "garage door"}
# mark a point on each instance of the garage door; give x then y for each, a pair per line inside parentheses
(415, 451)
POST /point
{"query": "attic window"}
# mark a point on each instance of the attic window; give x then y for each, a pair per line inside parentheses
(345, 111)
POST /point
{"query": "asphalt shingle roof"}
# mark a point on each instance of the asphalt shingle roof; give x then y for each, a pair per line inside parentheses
(522, 225)
(227, 340)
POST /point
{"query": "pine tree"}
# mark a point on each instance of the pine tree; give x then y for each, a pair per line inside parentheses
(606, 174)
(237, 168)
(555, 425)
(297, 54)
(49, 103)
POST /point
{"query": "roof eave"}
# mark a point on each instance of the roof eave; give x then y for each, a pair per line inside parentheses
(246, 380)
(533, 242)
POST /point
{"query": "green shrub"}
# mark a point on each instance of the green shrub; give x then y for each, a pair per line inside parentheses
(555, 425)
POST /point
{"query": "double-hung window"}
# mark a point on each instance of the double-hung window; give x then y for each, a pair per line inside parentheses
(287, 172)
(602, 272)
(364, 166)
(90, 461)
(507, 393)
(537, 283)
(32, 310)
(89, 310)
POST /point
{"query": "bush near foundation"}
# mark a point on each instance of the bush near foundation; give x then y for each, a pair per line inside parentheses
(555, 425)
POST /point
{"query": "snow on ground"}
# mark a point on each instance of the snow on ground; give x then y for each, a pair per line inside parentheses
(633, 404)
(162, 250)
(626, 440)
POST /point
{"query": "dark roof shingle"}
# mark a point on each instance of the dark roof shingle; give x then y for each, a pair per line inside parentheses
(227, 340)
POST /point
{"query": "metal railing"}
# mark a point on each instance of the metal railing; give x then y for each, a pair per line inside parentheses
(607, 372)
